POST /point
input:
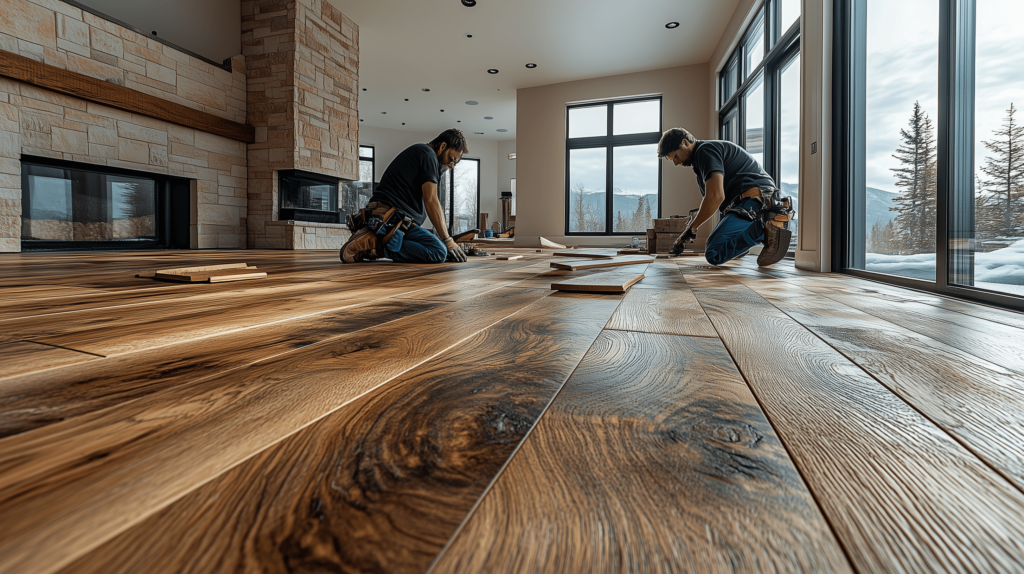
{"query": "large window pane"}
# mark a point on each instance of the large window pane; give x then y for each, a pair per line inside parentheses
(587, 190)
(466, 191)
(634, 187)
(730, 127)
(637, 118)
(901, 112)
(998, 149)
(753, 117)
(788, 14)
(789, 139)
(588, 122)
(754, 50)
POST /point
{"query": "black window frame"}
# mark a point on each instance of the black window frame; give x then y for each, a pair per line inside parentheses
(450, 174)
(610, 142)
(955, 147)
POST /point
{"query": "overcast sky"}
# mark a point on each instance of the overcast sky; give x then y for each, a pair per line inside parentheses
(902, 67)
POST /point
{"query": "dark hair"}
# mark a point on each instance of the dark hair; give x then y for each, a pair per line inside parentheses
(673, 139)
(453, 138)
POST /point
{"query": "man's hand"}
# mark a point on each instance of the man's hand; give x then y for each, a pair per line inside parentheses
(455, 253)
(688, 236)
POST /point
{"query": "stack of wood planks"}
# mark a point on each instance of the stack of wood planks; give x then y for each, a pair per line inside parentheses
(221, 273)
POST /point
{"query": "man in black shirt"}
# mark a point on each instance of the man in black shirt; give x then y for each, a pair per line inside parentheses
(406, 195)
(753, 211)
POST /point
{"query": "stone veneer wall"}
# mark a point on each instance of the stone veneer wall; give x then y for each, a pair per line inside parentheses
(42, 123)
(303, 64)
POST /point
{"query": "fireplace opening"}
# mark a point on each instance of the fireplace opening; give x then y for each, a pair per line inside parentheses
(70, 205)
(307, 196)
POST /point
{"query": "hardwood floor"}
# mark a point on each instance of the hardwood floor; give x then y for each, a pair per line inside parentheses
(467, 418)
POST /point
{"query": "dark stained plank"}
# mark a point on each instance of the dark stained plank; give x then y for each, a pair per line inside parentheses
(669, 312)
(576, 265)
(380, 485)
(901, 495)
(22, 357)
(654, 458)
(608, 282)
(46, 397)
(67, 487)
(91, 89)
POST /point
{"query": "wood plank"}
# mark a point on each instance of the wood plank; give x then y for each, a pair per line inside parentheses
(218, 267)
(600, 263)
(22, 357)
(68, 487)
(380, 485)
(70, 83)
(508, 257)
(609, 282)
(653, 458)
(901, 495)
(588, 253)
(220, 276)
(669, 312)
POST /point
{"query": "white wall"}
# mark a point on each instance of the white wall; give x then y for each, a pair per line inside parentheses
(540, 139)
(506, 171)
(389, 143)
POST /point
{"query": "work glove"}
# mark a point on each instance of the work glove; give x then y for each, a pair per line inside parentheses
(688, 236)
(455, 253)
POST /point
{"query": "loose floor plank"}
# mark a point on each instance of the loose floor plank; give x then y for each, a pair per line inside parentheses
(382, 484)
(610, 282)
(669, 312)
(901, 494)
(570, 265)
(588, 253)
(653, 458)
(68, 487)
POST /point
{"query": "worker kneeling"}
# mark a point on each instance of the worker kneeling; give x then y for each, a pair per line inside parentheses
(389, 225)
(753, 211)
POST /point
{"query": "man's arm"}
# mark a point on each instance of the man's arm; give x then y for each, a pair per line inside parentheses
(714, 195)
(436, 214)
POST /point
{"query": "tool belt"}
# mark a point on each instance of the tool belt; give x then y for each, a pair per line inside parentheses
(381, 219)
(750, 214)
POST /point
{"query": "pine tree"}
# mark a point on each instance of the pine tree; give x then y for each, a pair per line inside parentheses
(646, 222)
(1005, 176)
(917, 178)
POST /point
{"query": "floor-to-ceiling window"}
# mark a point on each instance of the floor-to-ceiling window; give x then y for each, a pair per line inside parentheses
(459, 192)
(929, 145)
(759, 95)
(613, 176)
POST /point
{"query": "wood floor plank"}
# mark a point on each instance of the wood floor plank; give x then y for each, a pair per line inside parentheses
(654, 458)
(22, 357)
(571, 264)
(607, 282)
(669, 312)
(588, 253)
(68, 487)
(902, 495)
(380, 485)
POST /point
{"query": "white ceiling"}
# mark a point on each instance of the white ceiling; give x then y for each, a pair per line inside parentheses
(406, 45)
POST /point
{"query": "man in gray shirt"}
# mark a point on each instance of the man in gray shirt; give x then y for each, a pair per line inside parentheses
(753, 211)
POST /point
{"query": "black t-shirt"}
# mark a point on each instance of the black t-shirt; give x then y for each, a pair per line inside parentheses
(739, 169)
(401, 185)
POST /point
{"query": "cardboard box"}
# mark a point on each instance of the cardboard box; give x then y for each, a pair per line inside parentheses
(675, 225)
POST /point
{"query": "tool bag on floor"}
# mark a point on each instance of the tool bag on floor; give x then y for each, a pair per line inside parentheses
(382, 220)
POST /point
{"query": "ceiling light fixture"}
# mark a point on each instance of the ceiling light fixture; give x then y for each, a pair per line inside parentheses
(512, 155)
(492, 71)
(403, 123)
(469, 3)
(671, 25)
(488, 118)
(502, 130)
(383, 112)
(442, 110)
(479, 133)
(469, 35)
(407, 99)
(424, 89)
(471, 103)
(531, 65)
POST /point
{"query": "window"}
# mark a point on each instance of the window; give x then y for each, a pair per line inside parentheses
(929, 181)
(762, 112)
(461, 188)
(613, 176)
(356, 194)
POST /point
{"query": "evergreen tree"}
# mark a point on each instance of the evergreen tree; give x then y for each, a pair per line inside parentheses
(647, 222)
(1004, 171)
(917, 178)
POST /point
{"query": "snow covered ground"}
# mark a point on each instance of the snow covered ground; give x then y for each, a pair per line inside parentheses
(999, 270)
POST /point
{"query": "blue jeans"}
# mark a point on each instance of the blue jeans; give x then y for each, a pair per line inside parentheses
(415, 245)
(735, 235)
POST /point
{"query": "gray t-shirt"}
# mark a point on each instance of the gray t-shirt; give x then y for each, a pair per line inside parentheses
(740, 171)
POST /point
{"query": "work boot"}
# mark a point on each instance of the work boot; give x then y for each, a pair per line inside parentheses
(362, 246)
(777, 236)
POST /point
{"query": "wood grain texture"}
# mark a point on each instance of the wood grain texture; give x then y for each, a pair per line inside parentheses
(22, 357)
(221, 276)
(901, 494)
(609, 282)
(380, 485)
(588, 253)
(70, 486)
(653, 458)
(91, 89)
(669, 312)
(571, 265)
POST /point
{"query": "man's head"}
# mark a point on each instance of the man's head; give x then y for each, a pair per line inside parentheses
(677, 145)
(449, 147)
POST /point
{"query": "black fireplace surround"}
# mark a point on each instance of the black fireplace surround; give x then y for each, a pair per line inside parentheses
(307, 196)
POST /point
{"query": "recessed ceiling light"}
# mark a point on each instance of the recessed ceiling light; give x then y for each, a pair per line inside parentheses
(360, 119)
(479, 133)
(471, 103)
(364, 89)
(424, 89)
(502, 130)
(469, 3)
(671, 25)
(492, 71)
(469, 35)
(154, 32)
(383, 112)
(442, 110)
(403, 123)
(531, 65)
(458, 121)
(407, 99)
(488, 118)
